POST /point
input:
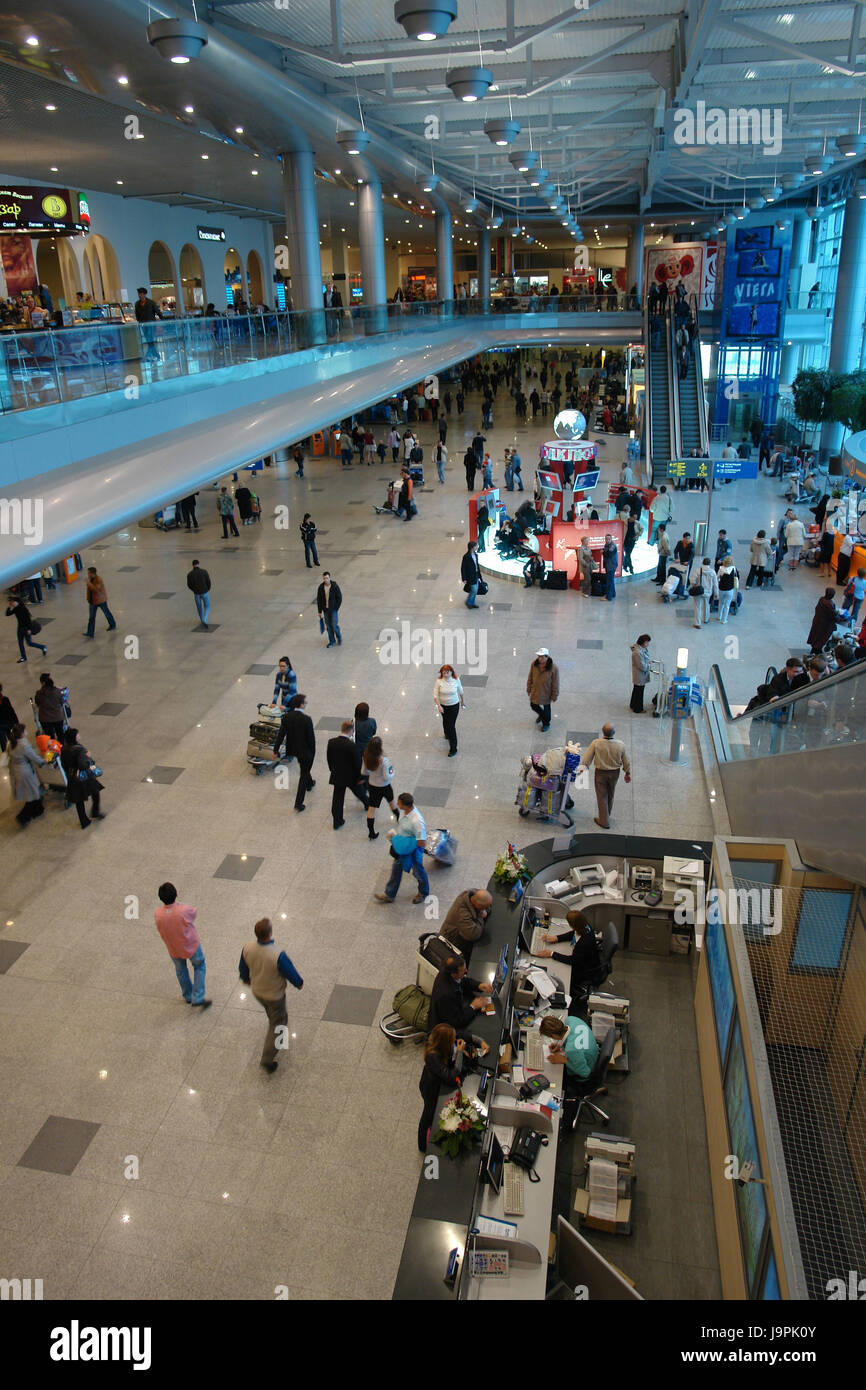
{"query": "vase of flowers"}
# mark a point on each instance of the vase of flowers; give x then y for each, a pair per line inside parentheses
(461, 1125)
(511, 867)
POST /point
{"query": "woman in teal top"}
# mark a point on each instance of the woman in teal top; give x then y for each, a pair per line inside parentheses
(573, 1044)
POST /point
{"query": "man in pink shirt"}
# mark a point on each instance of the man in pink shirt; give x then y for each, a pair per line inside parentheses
(176, 925)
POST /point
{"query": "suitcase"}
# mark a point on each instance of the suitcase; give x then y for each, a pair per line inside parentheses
(413, 1006)
(555, 579)
(271, 714)
(262, 732)
(262, 752)
(432, 954)
(670, 586)
(598, 584)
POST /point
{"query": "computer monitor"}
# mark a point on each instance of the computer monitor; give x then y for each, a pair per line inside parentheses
(493, 1161)
(551, 481)
(527, 929)
(485, 1089)
(501, 972)
(579, 1266)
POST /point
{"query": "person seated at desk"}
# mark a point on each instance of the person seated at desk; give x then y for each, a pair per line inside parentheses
(444, 1054)
(464, 922)
(574, 1047)
(584, 956)
(448, 998)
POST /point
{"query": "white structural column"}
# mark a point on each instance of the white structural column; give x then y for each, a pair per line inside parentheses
(484, 269)
(799, 250)
(302, 227)
(634, 274)
(372, 239)
(849, 309)
(444, 258)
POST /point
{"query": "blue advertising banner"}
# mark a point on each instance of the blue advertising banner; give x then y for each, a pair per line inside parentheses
(756, 275)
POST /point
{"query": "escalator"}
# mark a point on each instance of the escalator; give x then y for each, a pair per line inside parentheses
(797, 767)
(691, 396)
(661, 428)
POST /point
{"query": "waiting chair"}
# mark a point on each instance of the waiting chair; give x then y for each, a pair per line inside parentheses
(584, 1090)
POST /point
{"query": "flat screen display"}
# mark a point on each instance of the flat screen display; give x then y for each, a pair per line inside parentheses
(33, 208)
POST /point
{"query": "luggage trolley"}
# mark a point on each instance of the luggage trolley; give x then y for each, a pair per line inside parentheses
(260, 748)
(51, 776)
(407, 1021)
(546, 795)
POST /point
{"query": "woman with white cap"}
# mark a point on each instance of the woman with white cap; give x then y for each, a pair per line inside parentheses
(542, 686)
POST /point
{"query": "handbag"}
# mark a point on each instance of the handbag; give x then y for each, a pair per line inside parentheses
(482, 586)
(695, 590)
(34, 628)
(321, 623)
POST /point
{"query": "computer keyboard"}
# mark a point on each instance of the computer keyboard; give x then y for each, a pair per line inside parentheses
(533, 1058)
(513, 1189)
(538, 942)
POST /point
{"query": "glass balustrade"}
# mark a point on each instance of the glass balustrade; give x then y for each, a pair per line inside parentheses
(828, 712)
(49, 367)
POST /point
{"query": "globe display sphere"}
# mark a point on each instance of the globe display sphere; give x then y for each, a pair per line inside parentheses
(569, 424)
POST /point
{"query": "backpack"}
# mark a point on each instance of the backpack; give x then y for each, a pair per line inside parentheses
(727, 581)
(413, 1006)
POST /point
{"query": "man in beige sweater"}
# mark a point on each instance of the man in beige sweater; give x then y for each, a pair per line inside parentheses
(610, 758)
(266, 970)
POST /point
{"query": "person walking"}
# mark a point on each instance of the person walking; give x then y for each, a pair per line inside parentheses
(824, 621)
(542, 687)
(346, 449)
(443, 1058)
(795, 536)
(704, 589)
(268, 971)
(198, 581)
(226, 509)
(187, 508)
(640, 671)
(97, 598)
(175, 923)
(27, 627)
(297, 732)
(285, 683)
(663, 507)
(8, 720)
(344, 762)
(328, 601)
(610, 758)
(630, 539)
(441, 459)
(470, 573)
(759, 559)
(487, 471)
(298, 456)
(470, 464)
(363, 727)
(51, 707)
(405, 504)
(858, 593)
(609, 562)
(23, 774)
(409, 840)
(307, 529)
(244, 499)
(724, 548)
(380, 774)
(448, 699)
(729, 584)
(81, 781)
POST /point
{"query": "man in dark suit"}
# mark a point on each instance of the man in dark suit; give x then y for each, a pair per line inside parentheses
(296, 731)
(450, 998)
(344, 760)
(792, 677)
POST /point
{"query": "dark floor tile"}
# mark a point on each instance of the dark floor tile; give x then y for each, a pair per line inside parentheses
(240, 867)
(68, 660)
(427, 576)
(165, 776)
(331, 721)
(431, 796)
(9, 952)
(59, 1146)
(581, 736)
(352, 1004)
(355, 530)
(474, 680)
(589, 643)
(128, 569)
(206, 631)
(162, 595)
(259, 669)
(272, 573)
(500, 607)
(109, 709)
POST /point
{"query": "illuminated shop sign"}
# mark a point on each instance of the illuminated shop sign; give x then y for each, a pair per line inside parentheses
(26, 208)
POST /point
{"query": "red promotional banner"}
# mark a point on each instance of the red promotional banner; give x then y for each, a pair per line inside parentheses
(566, 535)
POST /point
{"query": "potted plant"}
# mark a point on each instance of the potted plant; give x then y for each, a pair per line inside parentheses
(461, 1125)
(511, 867)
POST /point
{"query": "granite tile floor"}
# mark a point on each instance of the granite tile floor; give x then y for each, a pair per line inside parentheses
(204, 1177)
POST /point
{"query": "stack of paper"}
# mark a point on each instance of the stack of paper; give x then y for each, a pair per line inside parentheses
(602, 1189)
(600, 1025)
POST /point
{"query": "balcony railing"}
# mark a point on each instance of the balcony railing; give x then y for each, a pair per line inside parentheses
(47, 367)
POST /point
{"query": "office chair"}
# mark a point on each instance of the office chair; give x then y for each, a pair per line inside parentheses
(607, 950)
(583, 1090)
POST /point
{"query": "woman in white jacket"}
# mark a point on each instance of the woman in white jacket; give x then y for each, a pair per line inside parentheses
(379, 774)
(704, 587)
(448, 699)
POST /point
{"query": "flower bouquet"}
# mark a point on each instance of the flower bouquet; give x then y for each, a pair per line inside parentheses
(461, 1125)
(511, 867)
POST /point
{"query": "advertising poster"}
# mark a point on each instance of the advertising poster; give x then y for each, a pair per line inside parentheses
(565, 534)
(751, 1202)
(674, 265)
(19, 267)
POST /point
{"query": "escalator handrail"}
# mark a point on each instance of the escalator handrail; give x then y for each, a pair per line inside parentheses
(648, 417)
(856, 668)
(771, 672)
(699, 378)
(673, 382)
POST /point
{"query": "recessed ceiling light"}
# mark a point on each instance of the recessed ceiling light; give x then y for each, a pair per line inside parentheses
(50, 107)
(32, 41)
(124, 81)
(751, 75)
(239, 130)
(54, 169)
(205, 156)
(338, 171)
(189, 110)
(120, 183)
(254, 171)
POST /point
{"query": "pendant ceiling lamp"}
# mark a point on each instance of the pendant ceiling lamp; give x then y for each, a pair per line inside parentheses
(177, 40)
(425, 22)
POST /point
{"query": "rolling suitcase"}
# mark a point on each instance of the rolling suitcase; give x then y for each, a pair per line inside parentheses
(555, 579)
(433, 952)
(598, 584)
